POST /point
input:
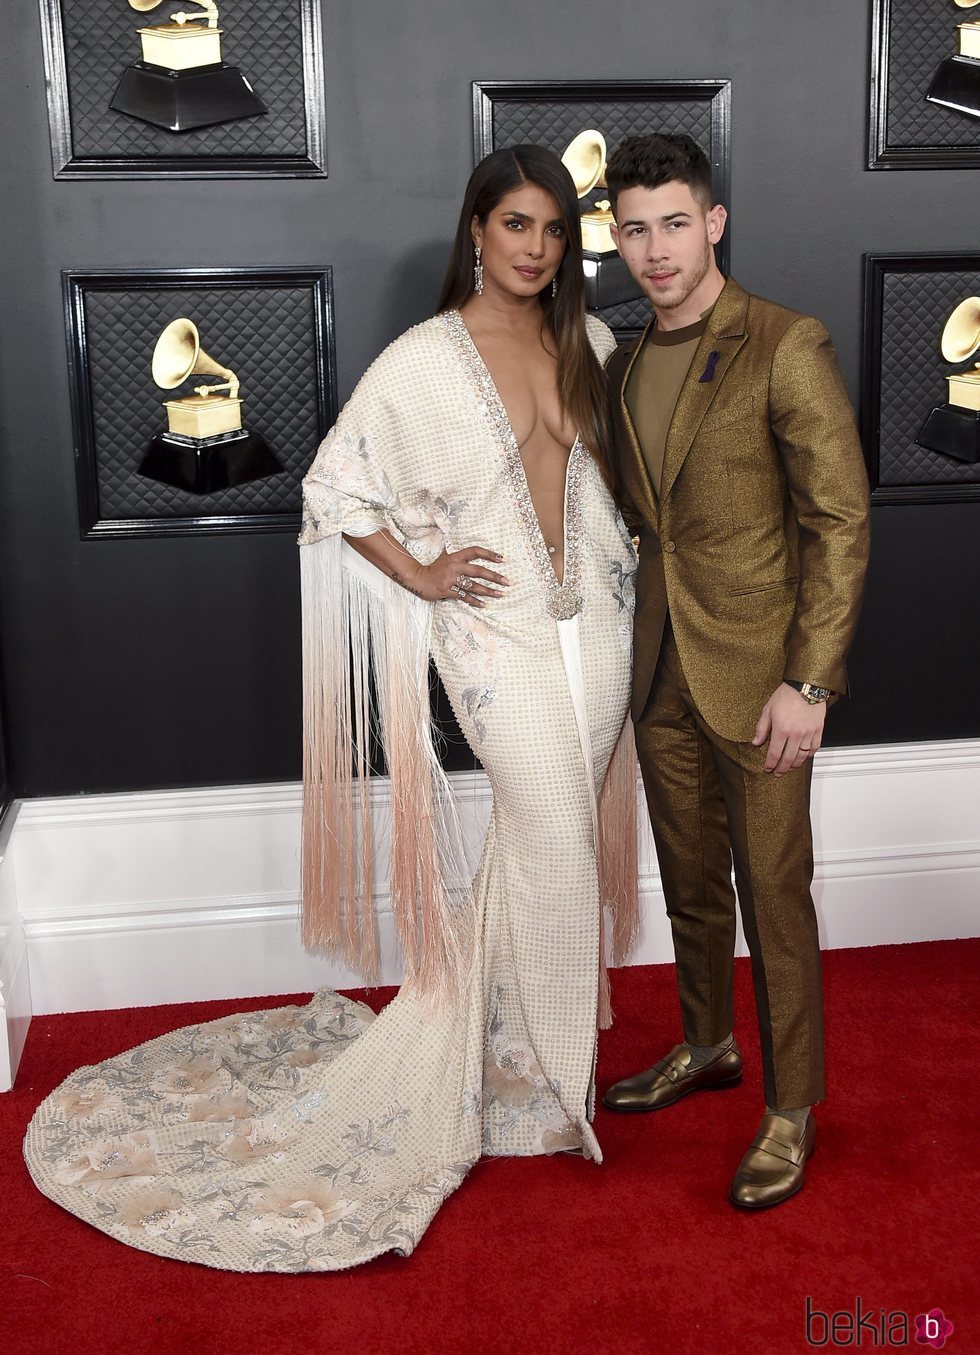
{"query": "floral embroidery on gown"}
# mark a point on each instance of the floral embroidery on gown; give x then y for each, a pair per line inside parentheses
(317, 1137)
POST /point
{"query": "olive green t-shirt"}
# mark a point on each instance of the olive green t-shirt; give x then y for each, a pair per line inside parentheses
(654, 385)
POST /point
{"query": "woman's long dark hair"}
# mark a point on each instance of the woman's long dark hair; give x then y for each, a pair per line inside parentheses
(581, 385)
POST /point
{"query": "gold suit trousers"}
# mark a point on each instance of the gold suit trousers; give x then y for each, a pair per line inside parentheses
(711, 802)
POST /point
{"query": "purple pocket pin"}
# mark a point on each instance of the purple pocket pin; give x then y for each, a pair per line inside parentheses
(709, 367)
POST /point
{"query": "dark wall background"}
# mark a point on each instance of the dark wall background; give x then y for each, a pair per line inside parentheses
(137, 664)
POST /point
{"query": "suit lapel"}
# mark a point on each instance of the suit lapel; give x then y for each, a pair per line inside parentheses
(638, 459)
(713, 356)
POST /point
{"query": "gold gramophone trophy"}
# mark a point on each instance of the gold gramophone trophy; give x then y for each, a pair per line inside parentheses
(181, 82)
(205, 447)
(954, 428)
(956, 83)
(607, 279)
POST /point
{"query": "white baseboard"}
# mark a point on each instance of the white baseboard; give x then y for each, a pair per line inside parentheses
(130, 900)
(15, 987)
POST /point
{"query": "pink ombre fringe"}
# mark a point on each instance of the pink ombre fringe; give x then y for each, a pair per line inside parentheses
(356, 621)
(618, 884)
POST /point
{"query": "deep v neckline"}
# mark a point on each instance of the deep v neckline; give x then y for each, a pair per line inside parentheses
(564, 600)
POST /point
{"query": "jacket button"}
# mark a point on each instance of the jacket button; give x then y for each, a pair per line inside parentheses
(669, 547)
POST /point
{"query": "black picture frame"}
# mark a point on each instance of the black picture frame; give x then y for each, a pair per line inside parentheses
(544, 111)
(907, 298)
(6, 793)
(287, 311)
(73, 119)
(908, 41)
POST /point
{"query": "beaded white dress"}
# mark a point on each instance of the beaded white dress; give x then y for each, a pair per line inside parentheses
(317, 1137)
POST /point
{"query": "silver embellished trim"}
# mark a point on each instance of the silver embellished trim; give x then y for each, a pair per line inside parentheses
(564, 603)
(563, 599)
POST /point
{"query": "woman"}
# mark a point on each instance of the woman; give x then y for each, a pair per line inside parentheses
(453, 511)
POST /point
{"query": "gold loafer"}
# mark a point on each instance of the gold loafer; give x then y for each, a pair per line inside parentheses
(672, 1078)
(772, 1169)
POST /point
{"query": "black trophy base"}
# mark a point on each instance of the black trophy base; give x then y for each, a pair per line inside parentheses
(608, 281)
(956, 84)
(183, 100)
(205, 465)
(954, 432)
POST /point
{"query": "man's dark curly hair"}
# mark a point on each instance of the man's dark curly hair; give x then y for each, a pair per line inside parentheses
(651, 161)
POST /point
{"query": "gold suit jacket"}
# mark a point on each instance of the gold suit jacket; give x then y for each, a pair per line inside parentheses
(757, 543)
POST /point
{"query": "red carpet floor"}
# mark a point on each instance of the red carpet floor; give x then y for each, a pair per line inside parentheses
(558, 1256)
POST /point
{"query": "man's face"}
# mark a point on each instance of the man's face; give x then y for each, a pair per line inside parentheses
(665, 237)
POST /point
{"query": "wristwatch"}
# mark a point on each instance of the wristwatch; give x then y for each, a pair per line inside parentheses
(809, 692)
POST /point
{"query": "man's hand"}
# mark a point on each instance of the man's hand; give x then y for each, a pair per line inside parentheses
(793, 727)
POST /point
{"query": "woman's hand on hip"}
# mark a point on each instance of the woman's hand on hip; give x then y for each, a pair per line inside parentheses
(455, 574)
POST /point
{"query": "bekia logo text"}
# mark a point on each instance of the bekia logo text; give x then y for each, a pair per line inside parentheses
(876, 1327)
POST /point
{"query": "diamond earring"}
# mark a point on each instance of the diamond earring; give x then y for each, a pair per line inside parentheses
(554, 285)
(477, 271)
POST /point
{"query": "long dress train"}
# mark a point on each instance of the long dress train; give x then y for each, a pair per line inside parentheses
(317, 1137)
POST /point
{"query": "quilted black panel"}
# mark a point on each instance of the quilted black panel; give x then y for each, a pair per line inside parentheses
(913, 375)
(922, 34)
(264, 40)
(554, 122)
(266, 335)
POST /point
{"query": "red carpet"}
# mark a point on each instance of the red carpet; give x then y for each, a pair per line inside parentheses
(555, 1256)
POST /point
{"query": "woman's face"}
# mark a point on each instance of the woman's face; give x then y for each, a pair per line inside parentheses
(522, 242)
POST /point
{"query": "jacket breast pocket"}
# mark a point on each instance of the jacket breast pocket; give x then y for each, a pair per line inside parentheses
(729, 413)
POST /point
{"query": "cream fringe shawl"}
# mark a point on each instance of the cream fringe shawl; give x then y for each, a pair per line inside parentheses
(366, 670)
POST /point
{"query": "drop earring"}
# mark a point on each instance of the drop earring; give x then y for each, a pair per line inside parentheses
(477, 271)
(554, 285)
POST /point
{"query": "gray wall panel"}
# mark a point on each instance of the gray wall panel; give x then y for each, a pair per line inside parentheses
(175, 662)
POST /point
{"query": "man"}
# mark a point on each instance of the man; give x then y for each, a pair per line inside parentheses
(735, 444)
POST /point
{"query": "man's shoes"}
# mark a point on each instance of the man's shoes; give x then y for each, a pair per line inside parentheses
(673, 1077)
(772, 1170)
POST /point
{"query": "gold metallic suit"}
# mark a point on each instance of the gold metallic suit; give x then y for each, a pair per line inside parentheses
(752, 561)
